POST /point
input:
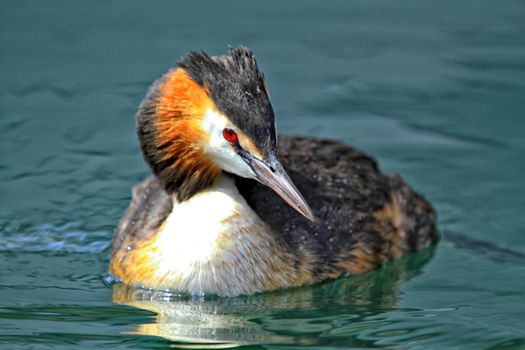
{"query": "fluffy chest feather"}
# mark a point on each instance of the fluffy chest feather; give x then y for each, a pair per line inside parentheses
(197, 230)
(212, 243)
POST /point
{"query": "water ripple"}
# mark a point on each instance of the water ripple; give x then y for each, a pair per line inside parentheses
(56, 238)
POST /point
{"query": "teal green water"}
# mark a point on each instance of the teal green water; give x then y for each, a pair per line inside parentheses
(436, 91)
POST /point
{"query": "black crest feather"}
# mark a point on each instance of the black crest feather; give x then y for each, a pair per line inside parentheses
(239, 64)
(237, 88)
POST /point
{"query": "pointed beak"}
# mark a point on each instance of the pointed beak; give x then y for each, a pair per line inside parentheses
(272, 174)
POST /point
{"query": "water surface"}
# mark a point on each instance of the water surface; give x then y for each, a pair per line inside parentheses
(435, 91)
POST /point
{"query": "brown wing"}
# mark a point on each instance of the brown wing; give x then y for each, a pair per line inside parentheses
(149, 207)
(364, 218)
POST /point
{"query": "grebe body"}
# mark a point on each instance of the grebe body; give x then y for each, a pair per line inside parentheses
(220, 215)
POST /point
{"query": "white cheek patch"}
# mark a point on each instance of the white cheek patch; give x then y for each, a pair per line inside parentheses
(220, 150)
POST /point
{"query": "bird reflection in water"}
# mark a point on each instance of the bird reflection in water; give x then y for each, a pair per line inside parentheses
(309, 315)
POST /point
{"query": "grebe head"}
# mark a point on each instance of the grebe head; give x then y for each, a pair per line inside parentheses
(213, 114)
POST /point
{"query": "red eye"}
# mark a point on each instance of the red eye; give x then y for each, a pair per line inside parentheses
(230, 135)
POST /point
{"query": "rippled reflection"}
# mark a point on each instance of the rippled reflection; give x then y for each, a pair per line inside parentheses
(302, 316)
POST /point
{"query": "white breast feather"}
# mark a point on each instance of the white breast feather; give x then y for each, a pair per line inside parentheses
(187, 254)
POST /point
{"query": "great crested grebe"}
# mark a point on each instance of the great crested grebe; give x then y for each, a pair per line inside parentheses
(207, 221)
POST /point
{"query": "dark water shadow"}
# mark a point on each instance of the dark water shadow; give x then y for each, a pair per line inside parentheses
(486, 249)
(304, 316)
